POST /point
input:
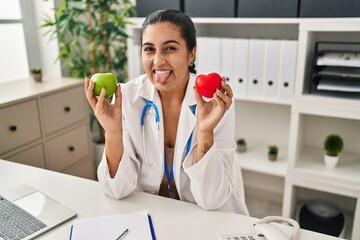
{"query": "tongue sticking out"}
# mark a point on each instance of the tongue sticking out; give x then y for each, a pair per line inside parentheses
(161, 76)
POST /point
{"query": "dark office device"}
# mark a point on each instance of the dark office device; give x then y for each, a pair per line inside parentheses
(209, 8)
(144, 7)
(268, 8)
(329, 8)
(322, 216)
(336, 69)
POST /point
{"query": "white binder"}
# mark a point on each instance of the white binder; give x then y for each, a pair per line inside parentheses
(200, 59)
(288, 56)
(241, 64)
(271, 71)
(227, 60)
(208, 55)
(256, 67)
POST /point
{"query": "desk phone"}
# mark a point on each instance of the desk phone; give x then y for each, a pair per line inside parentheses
(265, 230)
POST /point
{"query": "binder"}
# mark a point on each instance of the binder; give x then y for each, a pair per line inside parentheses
(227, 60)
(208, 55)
(256, 67)
(288, 56)
(271, 72)
(200, 59)
(241, 64)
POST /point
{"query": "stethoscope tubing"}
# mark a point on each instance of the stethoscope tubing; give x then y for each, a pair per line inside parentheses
(148, 105)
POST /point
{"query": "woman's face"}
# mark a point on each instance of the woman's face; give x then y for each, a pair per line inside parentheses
(165, 57)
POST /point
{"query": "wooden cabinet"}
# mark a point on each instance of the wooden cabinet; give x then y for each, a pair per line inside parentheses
(298, 125)
(47, 125)
(18, 130)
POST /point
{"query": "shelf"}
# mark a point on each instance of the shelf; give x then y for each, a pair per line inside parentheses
(328, 106)
(345, 175)
(308, 22)
(300, 123)
(255, 159)
(27, 88)
(265, 100)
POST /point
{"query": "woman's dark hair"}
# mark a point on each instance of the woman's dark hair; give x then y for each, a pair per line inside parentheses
(187, 28)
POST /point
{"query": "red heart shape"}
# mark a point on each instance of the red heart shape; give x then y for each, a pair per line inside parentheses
(206, 85)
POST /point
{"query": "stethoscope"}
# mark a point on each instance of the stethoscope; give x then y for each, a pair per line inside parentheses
(145, 112)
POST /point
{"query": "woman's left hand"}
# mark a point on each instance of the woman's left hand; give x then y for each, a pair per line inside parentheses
(210, 113)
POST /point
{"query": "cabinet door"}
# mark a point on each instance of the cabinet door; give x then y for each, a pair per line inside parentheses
(62, 109)
(68, 148)
(33, 156)
(19, 124)
(84, 170)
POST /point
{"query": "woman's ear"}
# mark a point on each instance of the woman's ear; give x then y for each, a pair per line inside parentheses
(192, 55)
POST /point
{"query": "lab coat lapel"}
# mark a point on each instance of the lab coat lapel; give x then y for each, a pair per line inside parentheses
(187, 124)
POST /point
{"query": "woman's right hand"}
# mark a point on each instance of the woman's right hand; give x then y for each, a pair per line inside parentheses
(109, 115)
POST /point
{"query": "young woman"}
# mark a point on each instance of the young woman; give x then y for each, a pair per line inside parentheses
(161, 136)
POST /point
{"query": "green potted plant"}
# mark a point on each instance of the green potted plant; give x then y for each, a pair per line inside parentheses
(92, 39)
(240, 145)
(333, 145)
(36, 73)
(272, 152)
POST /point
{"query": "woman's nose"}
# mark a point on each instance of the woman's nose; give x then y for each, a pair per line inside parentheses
(159, 59)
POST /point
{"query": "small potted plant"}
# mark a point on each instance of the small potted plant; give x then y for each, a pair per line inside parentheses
(272, 152)
(36, 74)
(241, 145)
(333, 145)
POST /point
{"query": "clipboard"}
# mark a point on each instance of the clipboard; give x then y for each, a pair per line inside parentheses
(139, 225)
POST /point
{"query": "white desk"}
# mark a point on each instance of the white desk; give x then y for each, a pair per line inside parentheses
(172, 219)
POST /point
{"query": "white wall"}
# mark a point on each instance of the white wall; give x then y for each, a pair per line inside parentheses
(48, 49)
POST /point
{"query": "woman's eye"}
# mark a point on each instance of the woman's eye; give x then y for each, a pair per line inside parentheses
(170, 49)
(148, 49)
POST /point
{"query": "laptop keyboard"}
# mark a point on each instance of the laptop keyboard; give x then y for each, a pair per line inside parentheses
(15, 223)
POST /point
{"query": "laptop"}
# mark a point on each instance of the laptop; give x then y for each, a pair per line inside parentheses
(25, 213)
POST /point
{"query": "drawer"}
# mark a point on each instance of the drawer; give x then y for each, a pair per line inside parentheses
(63, 109)
(19, 124)
(67, 149)
(33, 156)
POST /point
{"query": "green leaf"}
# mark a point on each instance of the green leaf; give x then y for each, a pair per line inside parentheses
(61, 9)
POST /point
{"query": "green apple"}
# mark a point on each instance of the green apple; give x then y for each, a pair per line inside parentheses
(104, 80)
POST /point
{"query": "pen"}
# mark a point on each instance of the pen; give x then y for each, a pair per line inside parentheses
(122, 234)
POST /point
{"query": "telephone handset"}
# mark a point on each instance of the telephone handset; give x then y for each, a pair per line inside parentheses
(264, 229)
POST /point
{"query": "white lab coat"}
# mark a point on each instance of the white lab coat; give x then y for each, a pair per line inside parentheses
(208, 183)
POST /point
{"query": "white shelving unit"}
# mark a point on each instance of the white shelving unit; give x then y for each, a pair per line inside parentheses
(298, 126)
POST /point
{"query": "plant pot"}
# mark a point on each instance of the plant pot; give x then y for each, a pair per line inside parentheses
(331, 161)
(241, 148)
(272, 156)
(37, 77)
